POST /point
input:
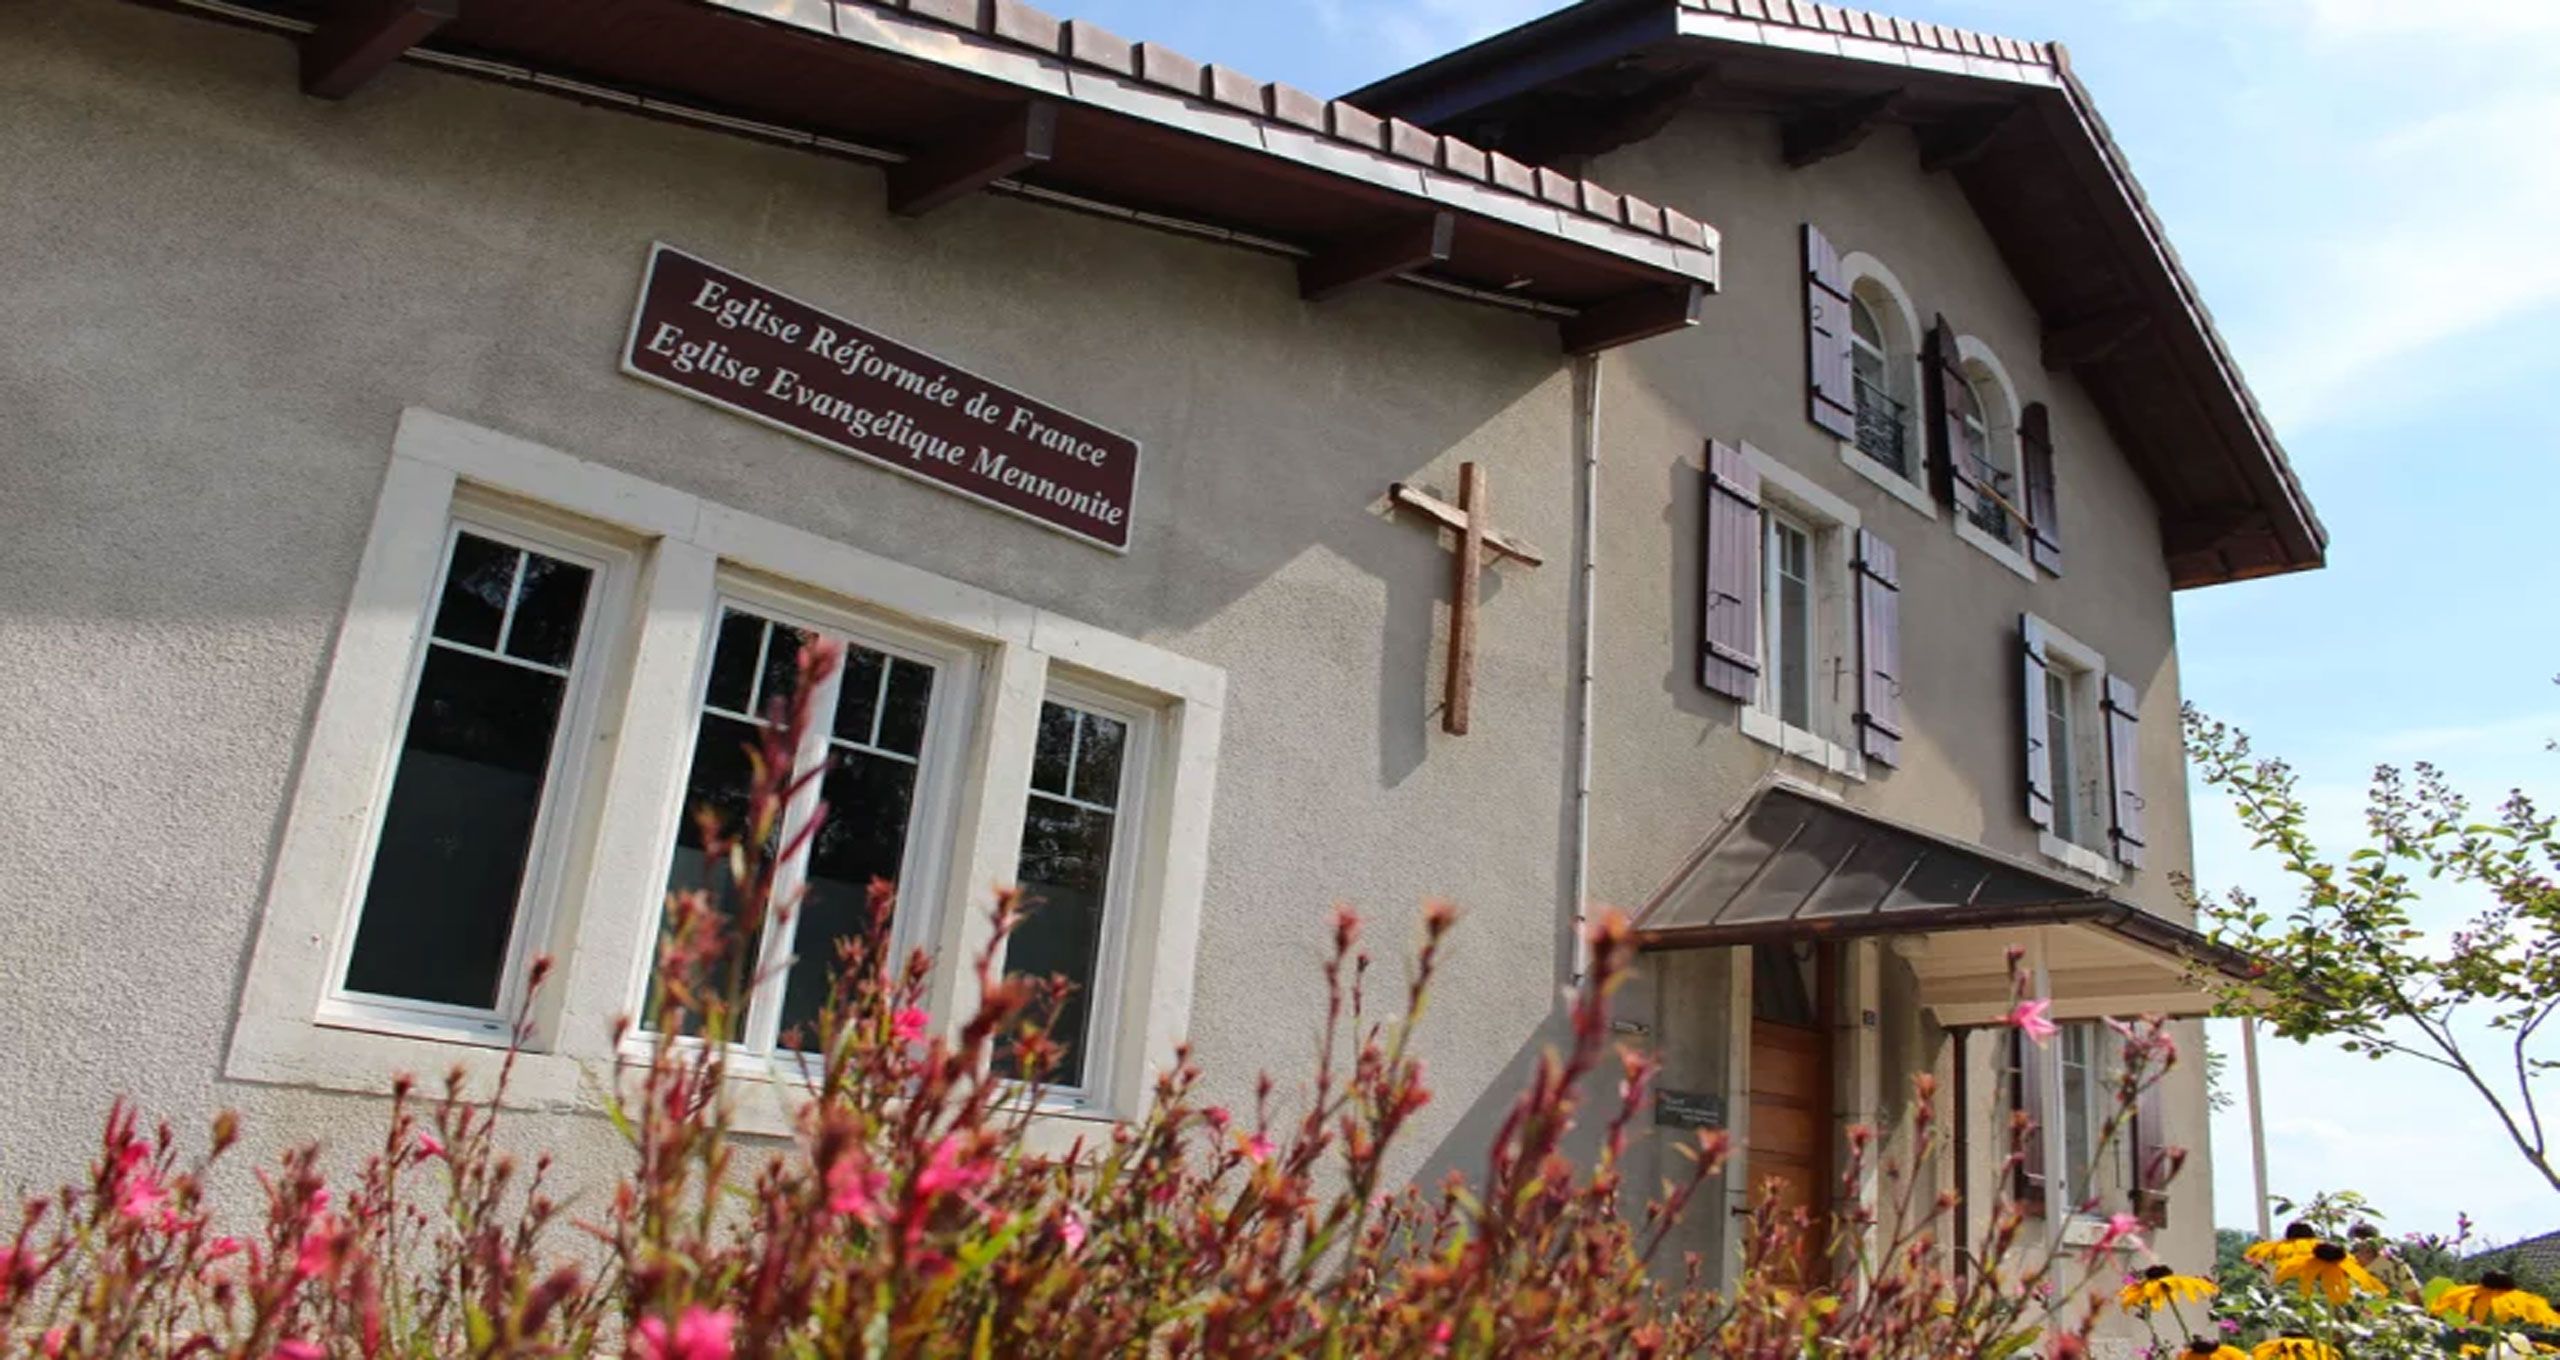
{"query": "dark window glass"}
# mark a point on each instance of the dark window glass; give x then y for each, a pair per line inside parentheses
(1066, 868)
(449, 870)
(902, 716)
(474, 603)
(860, 702)
(781, 666)
(1051, 759)
(1782, 986)
(733, 663)
(549, 603)
(869, 799)
(719, 782)
(1098, 759)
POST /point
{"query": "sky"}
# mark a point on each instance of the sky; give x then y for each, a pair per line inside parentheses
(2368, 194)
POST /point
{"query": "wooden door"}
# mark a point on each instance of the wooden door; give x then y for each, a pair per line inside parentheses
(1791, 1117)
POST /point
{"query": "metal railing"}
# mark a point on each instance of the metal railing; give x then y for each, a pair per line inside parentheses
(1884, 428)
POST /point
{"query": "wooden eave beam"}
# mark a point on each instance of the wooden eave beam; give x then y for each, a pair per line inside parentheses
(1809, 138)
(1025, 136)
(1407, 245)
(1963, 140)
(1630, 317)
(2093, 338)
(360, 37)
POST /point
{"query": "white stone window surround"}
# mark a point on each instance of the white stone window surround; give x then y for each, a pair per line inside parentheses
(2089, 753)
(1983, 368)
(1871, 282)
(1827, 743)
(613, 867)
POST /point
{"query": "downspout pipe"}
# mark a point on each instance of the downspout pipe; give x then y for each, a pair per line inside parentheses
(1586, 571)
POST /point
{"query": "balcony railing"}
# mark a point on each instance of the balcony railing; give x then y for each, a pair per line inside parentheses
(1883, 428)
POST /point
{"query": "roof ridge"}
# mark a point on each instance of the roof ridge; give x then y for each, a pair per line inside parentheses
(1842, 21)
(1085, 44)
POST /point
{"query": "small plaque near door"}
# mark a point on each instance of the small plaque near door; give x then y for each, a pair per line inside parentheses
(1687, 1109)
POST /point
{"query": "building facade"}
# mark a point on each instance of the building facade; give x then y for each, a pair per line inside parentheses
(429, 435)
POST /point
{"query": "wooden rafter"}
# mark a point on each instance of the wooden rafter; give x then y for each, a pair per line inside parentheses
(1630, 317)
(1406, 245)
(359, 38)
(2092, 338)
(1026, 136)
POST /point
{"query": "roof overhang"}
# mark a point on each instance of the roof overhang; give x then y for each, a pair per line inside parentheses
(2023, 138)
(956, 96)
(1794, 865)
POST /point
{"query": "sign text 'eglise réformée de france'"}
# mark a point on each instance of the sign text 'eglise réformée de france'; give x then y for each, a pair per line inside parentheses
(735, 343)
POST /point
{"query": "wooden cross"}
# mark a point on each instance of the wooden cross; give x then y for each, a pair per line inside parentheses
(1479, 546)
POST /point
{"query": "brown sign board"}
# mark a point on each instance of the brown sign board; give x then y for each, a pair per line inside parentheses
(728, 340)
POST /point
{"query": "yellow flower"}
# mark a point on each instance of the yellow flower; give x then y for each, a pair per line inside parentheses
(2328, 1271)
(2160, 1285)
(2206, 1348)
(2298, 1239)
(2294, 1346)
(2496, 1299)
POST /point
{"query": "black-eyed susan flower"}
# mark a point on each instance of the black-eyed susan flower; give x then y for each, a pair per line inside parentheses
(2298, 1238)
(2294, 1346)
(2328, 1271)
(2160, 1285)
(2206, 1348)
(2496, 1299)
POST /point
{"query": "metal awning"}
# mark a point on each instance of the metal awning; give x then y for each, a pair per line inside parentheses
(1792, 864)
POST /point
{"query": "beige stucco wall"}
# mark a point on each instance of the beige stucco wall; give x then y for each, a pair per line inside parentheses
(220, 295)
(1669, 762)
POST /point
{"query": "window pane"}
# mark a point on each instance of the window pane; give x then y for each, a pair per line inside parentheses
(733, 663)
(902, 715)
(476, 584)
(1056, 750)
(440, 907)
(781, 665)
(1795, 667)
(718, 781)
(1862, 323)
(1098, 760)
(859, 704)
(1064, 876)
(549, 602)
(2078, 1093)
(2057, 720)
(864, 837)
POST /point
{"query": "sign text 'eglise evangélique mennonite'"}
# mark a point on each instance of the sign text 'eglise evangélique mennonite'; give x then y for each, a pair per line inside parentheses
(735, 343)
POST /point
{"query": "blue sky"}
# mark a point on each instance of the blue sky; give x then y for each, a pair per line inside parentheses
(2368, 192)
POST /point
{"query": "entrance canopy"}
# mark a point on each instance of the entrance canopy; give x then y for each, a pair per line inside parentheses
(1792, 865)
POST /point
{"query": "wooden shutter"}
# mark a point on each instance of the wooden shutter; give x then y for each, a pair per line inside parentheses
(2154, 1164)
(1729, 654)
(1879, 650)
(1944, 375)
(1832, 395)
(2124, 768)
(2026, 1096)
(2044, 512)
(2039, 751)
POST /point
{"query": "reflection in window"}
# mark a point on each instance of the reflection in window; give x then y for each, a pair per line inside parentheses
(1068, 833)
(872, 746)
(446, 891)
(1787, 620)
(1988, 458)
(1883, 415)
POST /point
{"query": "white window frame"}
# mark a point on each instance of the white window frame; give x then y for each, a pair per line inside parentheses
(651, 637)
(940, 770)
(1827, 742)
(2085, 671)
(1110, 1006)
(611, 564)
(1776, 523)
(1871, 283)
(1991, 384)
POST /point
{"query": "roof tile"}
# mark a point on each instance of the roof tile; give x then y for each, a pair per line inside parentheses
(1161, 65)
(1641, 215)
(1294, 106)
(1094, 45)
(1419, 145)
(1352, 125)
(1683, 228)
(1513, 175)
(1463, 158)
(957, 13)
(1557, 187)
(1599, 202)
(1015, 21)
(1235, 89)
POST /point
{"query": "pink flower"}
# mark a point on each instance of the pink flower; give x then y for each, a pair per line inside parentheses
(700, 1334)
(429, 1145)
(853, 1189)
(2123, 1228)
(141, 1196)
(220, 1247)
(1071, 1231)
(1257, 1149)
(319, 1254)
(1217, 1116)
(945, 1174)
(300, 1350)
(2031, 1017)
(908, 1025)
(1442, 1334)
(53, 1342)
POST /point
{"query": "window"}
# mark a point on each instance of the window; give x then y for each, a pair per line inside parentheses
(1988, 460)
(447, 900)
(871, 743)
(1071, 876)
(1980, 430)
(2066, 731)
(2077, 1049)
(544, 660)
(1884, 420)
(2083, 1061)
(2059, 722)
(1787, 619)
(1885, 375)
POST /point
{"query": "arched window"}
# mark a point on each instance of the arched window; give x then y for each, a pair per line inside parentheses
(1884, 349)
(1986, 417)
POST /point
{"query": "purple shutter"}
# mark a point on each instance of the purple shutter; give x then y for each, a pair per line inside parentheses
(2124, 768)
(2044, 510)
(2026, 1098)
(2155, 1163)
(1943, 374)
(1729, 655)
(2039, 752)
(1832, 393)
(1879, 650)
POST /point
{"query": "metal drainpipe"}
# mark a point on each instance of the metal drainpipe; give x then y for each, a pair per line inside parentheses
(1586, 381)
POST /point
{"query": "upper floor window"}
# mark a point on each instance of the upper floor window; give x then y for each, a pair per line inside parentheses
(1990, 461)
(1789, 631)
(1883, 357)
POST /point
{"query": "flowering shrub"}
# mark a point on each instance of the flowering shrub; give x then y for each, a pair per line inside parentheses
(910, 1215)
